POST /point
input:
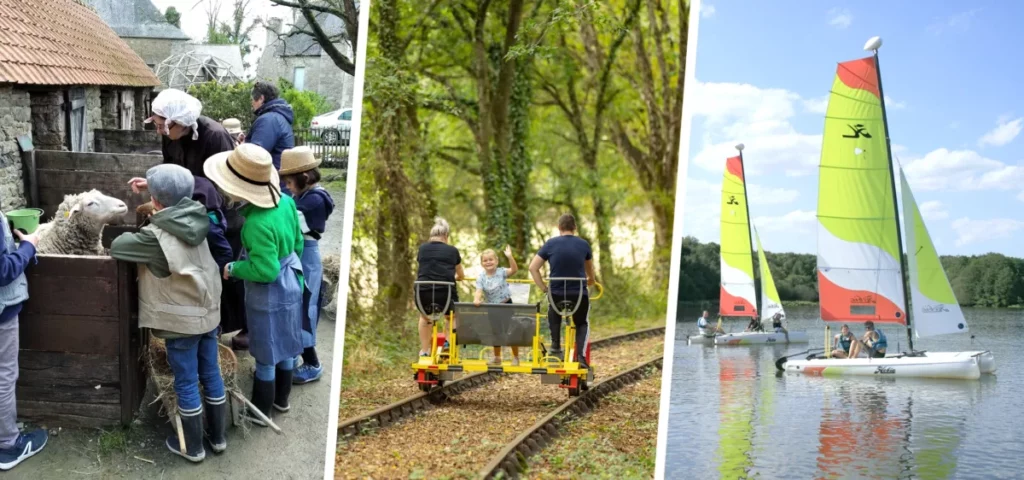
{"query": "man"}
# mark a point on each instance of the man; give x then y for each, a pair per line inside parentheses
(841, 342)
(702, 326)
(777, 325)
(188, 140)
(15, 446)
(570, 257)
(272, 128)
(873, 339)
(754, 325)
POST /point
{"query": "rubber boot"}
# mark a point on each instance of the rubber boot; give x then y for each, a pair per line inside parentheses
(217, 416)
(262, 398)
(282, 389)
(192, 429)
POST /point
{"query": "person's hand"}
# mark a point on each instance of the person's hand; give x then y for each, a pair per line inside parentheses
(138, 184)
(27, 237)
(227, 271)
(508, 251)
(591, 281)
(476, 302)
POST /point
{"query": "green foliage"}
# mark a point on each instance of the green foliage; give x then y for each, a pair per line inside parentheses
(226, 101)
(990, 280)
(305, 103)
(173, 16)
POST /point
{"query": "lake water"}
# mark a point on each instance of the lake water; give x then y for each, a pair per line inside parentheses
(733, 416)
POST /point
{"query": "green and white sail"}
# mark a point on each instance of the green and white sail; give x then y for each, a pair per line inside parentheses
(770, 302)
(934, 306)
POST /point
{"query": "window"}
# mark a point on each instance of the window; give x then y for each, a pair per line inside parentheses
(300, 78)
(76, 119)
(345, 115)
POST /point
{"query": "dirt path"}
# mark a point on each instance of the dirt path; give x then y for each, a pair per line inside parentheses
(299, 454)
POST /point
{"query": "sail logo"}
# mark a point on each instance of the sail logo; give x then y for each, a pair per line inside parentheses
(862, 299)
(858, 131)
(885, 370)
(772, 305)
(937, 308)
(732, 200)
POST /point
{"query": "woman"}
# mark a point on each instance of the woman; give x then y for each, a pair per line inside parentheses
(270, 267)
(438, 262)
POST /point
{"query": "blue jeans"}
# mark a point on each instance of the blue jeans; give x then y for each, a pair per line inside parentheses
(193, 360)
(268, 373)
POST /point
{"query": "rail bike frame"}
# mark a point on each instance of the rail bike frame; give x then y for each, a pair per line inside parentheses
(447, 364)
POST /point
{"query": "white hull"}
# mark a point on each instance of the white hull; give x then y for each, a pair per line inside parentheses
(953, 365)
(755, 338)
(986, 361)
(700, 340)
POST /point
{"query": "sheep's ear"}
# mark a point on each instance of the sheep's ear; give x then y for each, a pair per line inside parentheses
(75, 209)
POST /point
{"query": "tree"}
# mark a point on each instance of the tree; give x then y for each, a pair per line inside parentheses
(237, 32)
(173, 16)
(314, 12)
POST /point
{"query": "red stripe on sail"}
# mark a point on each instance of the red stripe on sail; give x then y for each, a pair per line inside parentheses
(837, 304)
(734, 166)
(861, 74)
(732, 306)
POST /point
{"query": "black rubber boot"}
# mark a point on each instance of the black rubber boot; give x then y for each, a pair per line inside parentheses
(217, 416)
(282, 389)
(262, 398)
(192, 428)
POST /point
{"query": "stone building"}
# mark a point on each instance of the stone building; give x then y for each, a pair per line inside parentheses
(63, 74)
(299, 59)
(143, 27)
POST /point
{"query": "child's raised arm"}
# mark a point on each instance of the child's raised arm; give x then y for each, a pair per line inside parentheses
(512, 267)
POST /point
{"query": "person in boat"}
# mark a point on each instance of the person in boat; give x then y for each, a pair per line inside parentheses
(841, 342)
(777, 325)
(754, 325)
(873, 339)
(703, 326)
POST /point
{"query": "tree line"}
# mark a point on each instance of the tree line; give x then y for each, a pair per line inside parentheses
(990, 280)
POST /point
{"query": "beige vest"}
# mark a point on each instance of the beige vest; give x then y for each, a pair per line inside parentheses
(188, 301)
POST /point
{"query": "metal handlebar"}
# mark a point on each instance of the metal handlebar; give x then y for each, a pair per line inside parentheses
(433, 316)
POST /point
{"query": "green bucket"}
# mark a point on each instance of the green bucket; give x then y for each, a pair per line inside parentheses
(26, 219)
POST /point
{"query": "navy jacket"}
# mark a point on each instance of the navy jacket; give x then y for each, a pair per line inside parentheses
(316, 205)
(206, 193)
(272, 129)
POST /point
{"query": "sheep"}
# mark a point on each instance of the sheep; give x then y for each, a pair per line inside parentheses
(332, 265)
(78, 223)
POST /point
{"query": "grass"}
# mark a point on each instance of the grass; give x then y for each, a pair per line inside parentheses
(117, 440)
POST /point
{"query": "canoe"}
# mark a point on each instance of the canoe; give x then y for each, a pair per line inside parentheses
(754, 338)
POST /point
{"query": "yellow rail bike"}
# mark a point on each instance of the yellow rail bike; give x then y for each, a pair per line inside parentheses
(506, 325)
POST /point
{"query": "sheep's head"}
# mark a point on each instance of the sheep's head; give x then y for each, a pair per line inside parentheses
(95, 206)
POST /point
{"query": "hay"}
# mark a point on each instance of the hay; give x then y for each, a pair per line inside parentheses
(163, 378)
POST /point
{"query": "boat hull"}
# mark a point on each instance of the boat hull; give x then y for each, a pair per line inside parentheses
(700, 340)
(986, 361)
(951, 365)
(757, 338)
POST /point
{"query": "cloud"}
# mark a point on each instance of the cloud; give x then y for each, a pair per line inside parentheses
(730, 113)
(891, 104)
(703, 205)
(1004, 133)
(958, 22)
(797, 221)
(707, 11)
(816, 105)
(933, 210)
(976, 231)
(961, 170)
(840, 18)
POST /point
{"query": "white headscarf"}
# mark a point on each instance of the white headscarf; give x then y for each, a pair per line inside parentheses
(178, 107)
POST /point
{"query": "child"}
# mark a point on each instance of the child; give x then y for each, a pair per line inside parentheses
(301, 175)
(493, 285)
(179, 301)
(15, 446)
(438, 262)
(272, 245)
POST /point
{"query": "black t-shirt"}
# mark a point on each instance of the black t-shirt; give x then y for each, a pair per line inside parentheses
(437, 262)
(567, 255)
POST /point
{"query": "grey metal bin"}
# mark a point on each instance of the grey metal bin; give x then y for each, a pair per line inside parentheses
(496, 324)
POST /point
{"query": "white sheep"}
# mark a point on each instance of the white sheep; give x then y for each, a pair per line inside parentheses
(78, 223)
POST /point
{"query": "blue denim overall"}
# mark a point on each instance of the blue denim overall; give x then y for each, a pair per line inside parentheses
(313, 274)
(274, 315)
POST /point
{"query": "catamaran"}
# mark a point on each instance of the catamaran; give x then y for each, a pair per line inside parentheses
(860, 243)
(737, 297)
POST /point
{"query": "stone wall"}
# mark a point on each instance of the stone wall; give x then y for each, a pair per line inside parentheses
(48, 126)
(15, 120)
(335, 84)
(108, 105)
(127, 141)
(322, 76)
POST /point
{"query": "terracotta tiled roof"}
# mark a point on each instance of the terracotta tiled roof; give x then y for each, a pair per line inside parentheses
(63, 42)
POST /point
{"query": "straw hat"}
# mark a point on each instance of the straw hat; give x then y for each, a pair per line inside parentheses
(298, 160)
(232, 125)
(246, 172)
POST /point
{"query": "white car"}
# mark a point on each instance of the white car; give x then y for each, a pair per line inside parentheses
(331, 126)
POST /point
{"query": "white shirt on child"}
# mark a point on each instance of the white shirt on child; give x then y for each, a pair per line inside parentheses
(495, 287)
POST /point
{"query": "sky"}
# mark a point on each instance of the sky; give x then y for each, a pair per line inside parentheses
(193, 20)
(951, 76)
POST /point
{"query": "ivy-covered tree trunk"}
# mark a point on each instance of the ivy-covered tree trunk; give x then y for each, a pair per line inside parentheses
(520, 162)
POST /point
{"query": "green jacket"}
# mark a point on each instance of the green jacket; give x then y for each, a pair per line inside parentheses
(187, 220)
(269, 234)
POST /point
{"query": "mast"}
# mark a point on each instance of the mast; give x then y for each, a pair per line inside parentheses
(750, 233)
(873, 45)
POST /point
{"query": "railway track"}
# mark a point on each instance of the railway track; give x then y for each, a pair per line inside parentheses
(412, 405)
(512, 459)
